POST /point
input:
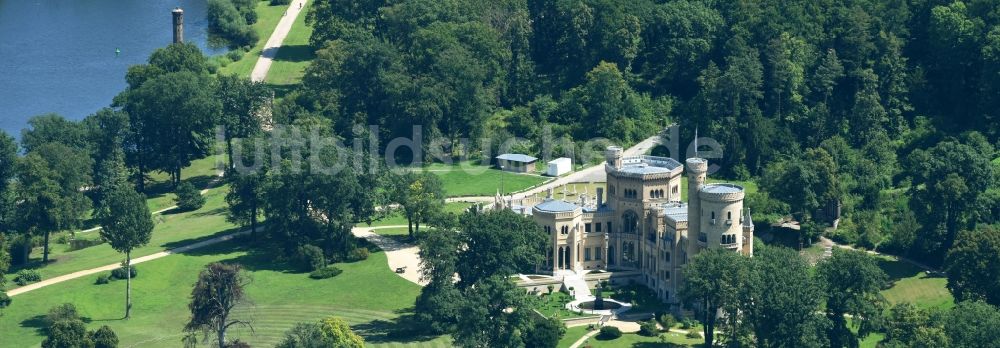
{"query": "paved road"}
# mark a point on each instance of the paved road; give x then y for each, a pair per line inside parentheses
(270, 49)
(162, 254)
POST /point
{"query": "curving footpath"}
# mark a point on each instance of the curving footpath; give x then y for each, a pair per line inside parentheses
(274, 42)
(147, 258)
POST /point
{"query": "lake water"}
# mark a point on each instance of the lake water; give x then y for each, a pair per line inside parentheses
(59, 55)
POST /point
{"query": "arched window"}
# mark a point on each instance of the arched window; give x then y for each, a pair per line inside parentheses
(713, 215)
(729, 215)
(630, 222)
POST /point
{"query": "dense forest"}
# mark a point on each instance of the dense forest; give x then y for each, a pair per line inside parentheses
(882, 110)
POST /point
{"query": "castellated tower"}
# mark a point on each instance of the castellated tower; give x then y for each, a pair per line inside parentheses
(697, 169)
(721, 214)
(613, 154)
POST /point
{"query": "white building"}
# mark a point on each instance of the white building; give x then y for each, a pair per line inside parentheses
(559, 166)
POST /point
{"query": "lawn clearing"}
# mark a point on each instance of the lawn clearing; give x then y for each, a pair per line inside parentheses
(368, 295)
(397, 218)
(554, 305)
(912, 284)
(474, 180)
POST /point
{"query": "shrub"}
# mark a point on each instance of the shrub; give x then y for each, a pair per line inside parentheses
(667, 321)
(280, 2)
(610, 332)
(20, 250)
(104, 338)
(62, 239)
(25, 276)
(309, 258)
(119, 273)
(648, 328)
(237, 344)
(5, 300)
(358, 254)
(63, 312)
(325, 272)
(188, 197)
(102, 279)
(693, 334)
(687, 323)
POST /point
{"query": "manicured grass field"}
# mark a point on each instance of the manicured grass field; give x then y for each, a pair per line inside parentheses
(171, 230)
(368, 295)
(554, 304)
(912, 284)
(294, 55)
(475, 180)
(627, 340)
(267, 19)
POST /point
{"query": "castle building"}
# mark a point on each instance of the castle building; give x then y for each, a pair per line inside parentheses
(643, 229)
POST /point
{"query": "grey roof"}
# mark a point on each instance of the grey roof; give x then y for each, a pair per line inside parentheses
(722, 188)
(556, 206)
(676, 211)
(644, 169)
(516, 157)
(649, 165)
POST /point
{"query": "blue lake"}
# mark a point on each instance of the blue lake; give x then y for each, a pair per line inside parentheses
(58, 56)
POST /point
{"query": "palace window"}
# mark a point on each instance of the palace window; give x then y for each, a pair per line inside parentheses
(586, 254)
(586, 227)
(597, 226)
(597, 253)
(630, 221)
(565, 230)
(728, 239)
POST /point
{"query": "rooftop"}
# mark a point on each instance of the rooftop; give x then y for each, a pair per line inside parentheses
(517, 157)
(722, 188)
(649, 165)
(556, 206)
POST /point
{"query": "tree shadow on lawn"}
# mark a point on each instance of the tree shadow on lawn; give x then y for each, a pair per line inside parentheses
(256, 257)
(40, 324)
(189, 241)
(404, 329)
(160, 188)
(295, 53)
(899, 269)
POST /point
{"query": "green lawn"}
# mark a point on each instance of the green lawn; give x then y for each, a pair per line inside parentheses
(475, 180)
(397, 218)
(627, 340)
(294, 55)
(199, 173)
(267, 19)
(171, 230)
(368, 295)
(912, 284)
(554, 305)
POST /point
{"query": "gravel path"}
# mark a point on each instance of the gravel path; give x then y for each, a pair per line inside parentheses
(274, 42)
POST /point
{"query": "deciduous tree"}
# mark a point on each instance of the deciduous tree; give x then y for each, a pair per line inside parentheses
(126, 224)
(220, 288)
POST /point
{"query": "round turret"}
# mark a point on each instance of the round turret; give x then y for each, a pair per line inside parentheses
(697, 165)
(613, 154)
